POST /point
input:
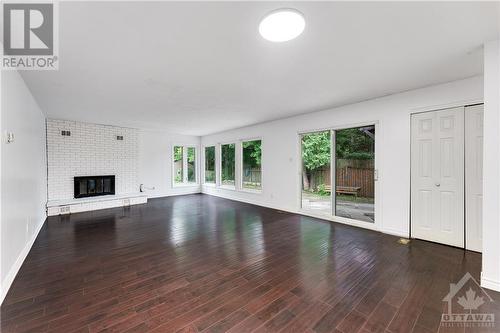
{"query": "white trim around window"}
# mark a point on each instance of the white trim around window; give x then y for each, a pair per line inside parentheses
(185, 165)
(240, 181)
(203, 163)
(219, 166)
(238, 167)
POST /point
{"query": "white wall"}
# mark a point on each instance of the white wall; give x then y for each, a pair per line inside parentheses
(24, 172)
(143, 157)
(281, 150)
(90, 150)
(155, 162)
(490, 276)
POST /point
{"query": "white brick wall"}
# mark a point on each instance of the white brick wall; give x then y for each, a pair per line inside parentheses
(90, 150)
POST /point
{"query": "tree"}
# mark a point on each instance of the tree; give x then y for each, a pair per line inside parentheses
(210, 164)
(177, 153)
(227, 162)
(315, 155)
(210, 156)
(355, 143)
(178, 156)
(190, 155)
(352, 144)
(252, 153)
(191, 164)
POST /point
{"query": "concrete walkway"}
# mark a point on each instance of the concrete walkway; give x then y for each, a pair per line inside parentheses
(354, 210)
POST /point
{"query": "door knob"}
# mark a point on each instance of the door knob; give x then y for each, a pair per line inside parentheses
(437, 184)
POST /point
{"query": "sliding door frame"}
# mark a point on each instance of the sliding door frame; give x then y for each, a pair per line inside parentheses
(333, 172)
(377, 225)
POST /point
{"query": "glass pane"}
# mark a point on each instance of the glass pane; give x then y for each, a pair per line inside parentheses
(251, 174)
(355, 166)
(191, 164)
(316, 174)
(227, 164)
(210, 165)
(91, 186)
(178, 163)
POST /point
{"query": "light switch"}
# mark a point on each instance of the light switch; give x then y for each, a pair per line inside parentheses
(10, 137)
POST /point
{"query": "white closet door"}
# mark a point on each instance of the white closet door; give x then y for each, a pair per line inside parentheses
(437, 176)
(473, 177)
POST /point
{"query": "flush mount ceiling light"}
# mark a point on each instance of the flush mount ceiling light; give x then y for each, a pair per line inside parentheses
(282, 25)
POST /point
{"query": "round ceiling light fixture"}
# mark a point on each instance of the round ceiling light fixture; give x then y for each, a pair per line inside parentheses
(282, 25)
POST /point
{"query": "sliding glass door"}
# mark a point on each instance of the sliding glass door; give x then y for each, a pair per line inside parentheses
(355, 173)
(348, 189)
(316, 172)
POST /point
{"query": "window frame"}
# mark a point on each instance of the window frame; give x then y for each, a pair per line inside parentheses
(219, 164)
(215, 165)
(185, 182)
(250, 190)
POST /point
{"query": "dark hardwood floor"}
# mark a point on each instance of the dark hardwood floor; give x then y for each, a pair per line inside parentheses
(198, 263)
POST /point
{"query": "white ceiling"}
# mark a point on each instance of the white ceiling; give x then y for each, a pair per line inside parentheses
(200, 68)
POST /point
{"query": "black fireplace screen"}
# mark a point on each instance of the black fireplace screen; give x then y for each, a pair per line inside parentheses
(91, 186)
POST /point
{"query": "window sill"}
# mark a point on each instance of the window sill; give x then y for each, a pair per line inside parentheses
(249, 190)
(186, 185)
(227, 187)
(209, 184)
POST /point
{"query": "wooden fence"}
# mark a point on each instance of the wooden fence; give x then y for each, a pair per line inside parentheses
(252, 176)
(357, 177)
(361, 175)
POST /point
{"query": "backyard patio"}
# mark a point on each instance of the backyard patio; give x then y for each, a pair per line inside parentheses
(361, 209)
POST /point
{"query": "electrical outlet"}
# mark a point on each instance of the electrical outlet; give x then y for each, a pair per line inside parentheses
(126, 202)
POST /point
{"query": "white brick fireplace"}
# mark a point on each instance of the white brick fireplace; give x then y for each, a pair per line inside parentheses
(83, 149)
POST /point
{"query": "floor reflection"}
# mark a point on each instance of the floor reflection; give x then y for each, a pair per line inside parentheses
(194, 262)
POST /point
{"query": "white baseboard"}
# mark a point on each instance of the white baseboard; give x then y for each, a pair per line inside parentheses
(395, 232)
(19, 262)
(172, 194)
(490, 283)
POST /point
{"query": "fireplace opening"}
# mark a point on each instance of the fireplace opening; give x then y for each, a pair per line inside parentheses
(91, 186)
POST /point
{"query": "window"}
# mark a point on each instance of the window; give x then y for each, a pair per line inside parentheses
(191, 165)
(251, 166)
(210, 165)
(178, 164)
(227, 153)
(184, 165)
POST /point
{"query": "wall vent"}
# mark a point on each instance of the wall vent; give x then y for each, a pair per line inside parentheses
(64, 209)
